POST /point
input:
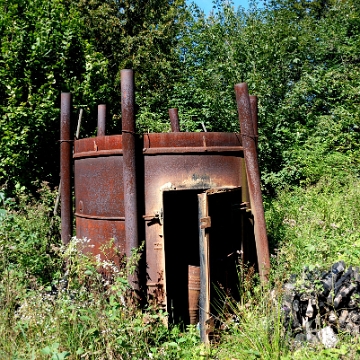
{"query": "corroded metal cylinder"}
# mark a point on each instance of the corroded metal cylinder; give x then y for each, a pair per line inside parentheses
(101, 120)
(254, 115)
(129, 168)
(172, 161)
(174, 120)
(195, 193)
(65, 168)
(253, 178)
(193, 293)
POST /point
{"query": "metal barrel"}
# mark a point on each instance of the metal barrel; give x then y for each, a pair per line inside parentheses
(193, 293)
(101, 120)
(253, 176)
(65, 167)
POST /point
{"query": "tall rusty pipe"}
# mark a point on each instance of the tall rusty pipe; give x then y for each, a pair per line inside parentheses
(253, 177)
(101, 120)
(254, 115)
(174, 120)
(129, 164)
(65, 167)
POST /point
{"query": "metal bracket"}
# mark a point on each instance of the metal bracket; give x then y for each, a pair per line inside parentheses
(245, 206)
(205, 222)
(158, 216)
(242, 206)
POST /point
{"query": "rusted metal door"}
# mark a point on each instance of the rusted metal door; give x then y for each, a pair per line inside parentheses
(204, 301)
(220, 249)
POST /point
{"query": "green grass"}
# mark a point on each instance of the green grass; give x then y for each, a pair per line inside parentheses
(317, 225)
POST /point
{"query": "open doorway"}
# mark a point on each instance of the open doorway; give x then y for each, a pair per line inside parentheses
(181, 242)
(181, 245)
(225, 247)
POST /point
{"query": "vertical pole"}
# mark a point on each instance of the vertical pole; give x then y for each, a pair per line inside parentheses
(174, 120)
(65, 167)
(254, 115)
(129, 165)
(101, 120)
(204, 300)
(253, 177)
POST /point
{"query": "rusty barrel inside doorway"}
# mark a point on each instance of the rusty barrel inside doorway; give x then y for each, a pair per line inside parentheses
(194, 293)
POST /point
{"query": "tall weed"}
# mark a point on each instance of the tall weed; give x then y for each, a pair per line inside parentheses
(253, 326)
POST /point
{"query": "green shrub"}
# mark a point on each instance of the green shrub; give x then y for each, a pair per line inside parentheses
(27, 245)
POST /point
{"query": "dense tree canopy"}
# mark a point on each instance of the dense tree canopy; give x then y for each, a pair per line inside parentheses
(300, 57)
(61, 45)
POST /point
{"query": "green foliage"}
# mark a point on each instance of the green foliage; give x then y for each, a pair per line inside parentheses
(258, 332)
(60, 303)
(301, 59)
(51, 46)
(40, 56)
(71, 305)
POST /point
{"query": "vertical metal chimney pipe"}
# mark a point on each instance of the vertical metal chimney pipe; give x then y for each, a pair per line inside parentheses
(65, 167)
(254, 115)
(174, 119)
(253, 177)
(101, 120)
(129, 165)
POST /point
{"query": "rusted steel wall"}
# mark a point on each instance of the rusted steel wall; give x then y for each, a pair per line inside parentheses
(195, 189)
(196, 163)
(182, 161)
(110, 170)
(172, 161)
(99, 191)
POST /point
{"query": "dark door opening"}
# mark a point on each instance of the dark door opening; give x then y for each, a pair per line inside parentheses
(181, 242)
(225, 245)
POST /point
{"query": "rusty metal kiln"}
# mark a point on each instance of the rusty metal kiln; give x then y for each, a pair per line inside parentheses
(194, 197)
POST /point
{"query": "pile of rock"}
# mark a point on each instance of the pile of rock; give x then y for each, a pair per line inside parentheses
(321, 304)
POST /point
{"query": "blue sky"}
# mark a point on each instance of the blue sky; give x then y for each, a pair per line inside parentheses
(207, 5)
